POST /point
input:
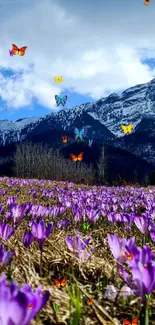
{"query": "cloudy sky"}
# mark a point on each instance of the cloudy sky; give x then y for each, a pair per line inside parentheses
(98, 46)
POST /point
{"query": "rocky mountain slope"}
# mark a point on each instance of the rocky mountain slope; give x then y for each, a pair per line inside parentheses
(102, 120)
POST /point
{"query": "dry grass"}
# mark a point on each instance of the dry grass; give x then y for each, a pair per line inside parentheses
(92, 276)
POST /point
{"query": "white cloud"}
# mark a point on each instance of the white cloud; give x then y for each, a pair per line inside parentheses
(95, 51)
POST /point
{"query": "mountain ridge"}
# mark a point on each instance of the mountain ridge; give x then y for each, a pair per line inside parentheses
(102, 120)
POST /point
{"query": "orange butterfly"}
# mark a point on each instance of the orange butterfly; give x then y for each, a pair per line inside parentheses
(61, 283)
(64, 139)
(146, 2)
(16, 50)
(132, 322)
(79, 157)
(129, 257)
(90, 301)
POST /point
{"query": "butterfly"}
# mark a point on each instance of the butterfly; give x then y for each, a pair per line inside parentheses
(127, 128)
(79, 134)
(16, 50)
(132, 322)
(29, 307)
(61, 100)
(85, 225)
(11, 52)
(90, 142)
(64, 139)
(90, 301)
(55, 308)
(129, 257)
(146, 2)
(148, 296)
(79, 157)
(58, 79)
(60, 283)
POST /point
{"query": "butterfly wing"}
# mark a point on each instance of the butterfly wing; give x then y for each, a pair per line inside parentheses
(64, 99)
(84, 226)
(81, 133)
(77, 133)
(146, 2)
(90, 301)
(15, 49)
(129, 256)
(124, 128)
(130, 127)
(80, 156)
(64, 139)
(126, 322)
(74, 158)
(90, 142)
(57, 283)
(56, 79)
(11, 52)
(135, 321)
(63, 282)
(22, 50)
(57, 98)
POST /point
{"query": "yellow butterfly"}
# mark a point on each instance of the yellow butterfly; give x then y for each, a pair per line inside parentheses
(127, 128)
(58, 79)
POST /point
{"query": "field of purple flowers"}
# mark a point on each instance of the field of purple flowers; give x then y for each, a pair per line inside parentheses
(74, 254)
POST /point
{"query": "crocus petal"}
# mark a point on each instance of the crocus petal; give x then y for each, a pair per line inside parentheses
(69, 243)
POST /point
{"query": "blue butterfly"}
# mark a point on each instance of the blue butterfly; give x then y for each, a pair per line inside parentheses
(90, 142)
(79, 134)
(61, 100)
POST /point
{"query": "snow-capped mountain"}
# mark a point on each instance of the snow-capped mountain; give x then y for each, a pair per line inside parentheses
(102, 120)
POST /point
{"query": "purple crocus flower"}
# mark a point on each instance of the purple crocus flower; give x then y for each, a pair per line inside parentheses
(5, 257)
(141, 223)
(143, 279)
(6, 231)
(1, 252)
(20, 306)
(141, 257)
(18, 212)
(28, 238)
(126, 292)
(8, 256)
(8, 215)
(40, 231)
(79, 246)
(11, 201)
(62, 224)
(111, 292)
(118, 246)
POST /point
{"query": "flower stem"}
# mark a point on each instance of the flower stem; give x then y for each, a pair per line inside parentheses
(146, 313)
(41, 260)
(143, 240)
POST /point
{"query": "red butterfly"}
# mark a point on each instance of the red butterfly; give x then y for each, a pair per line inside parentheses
(132, 322)
(79, 157)
(90, 301)
(129, 257)
(60, 283)
(64, 139)
(16, 50)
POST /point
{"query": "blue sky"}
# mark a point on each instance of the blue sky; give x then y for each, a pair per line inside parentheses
(99, 47)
